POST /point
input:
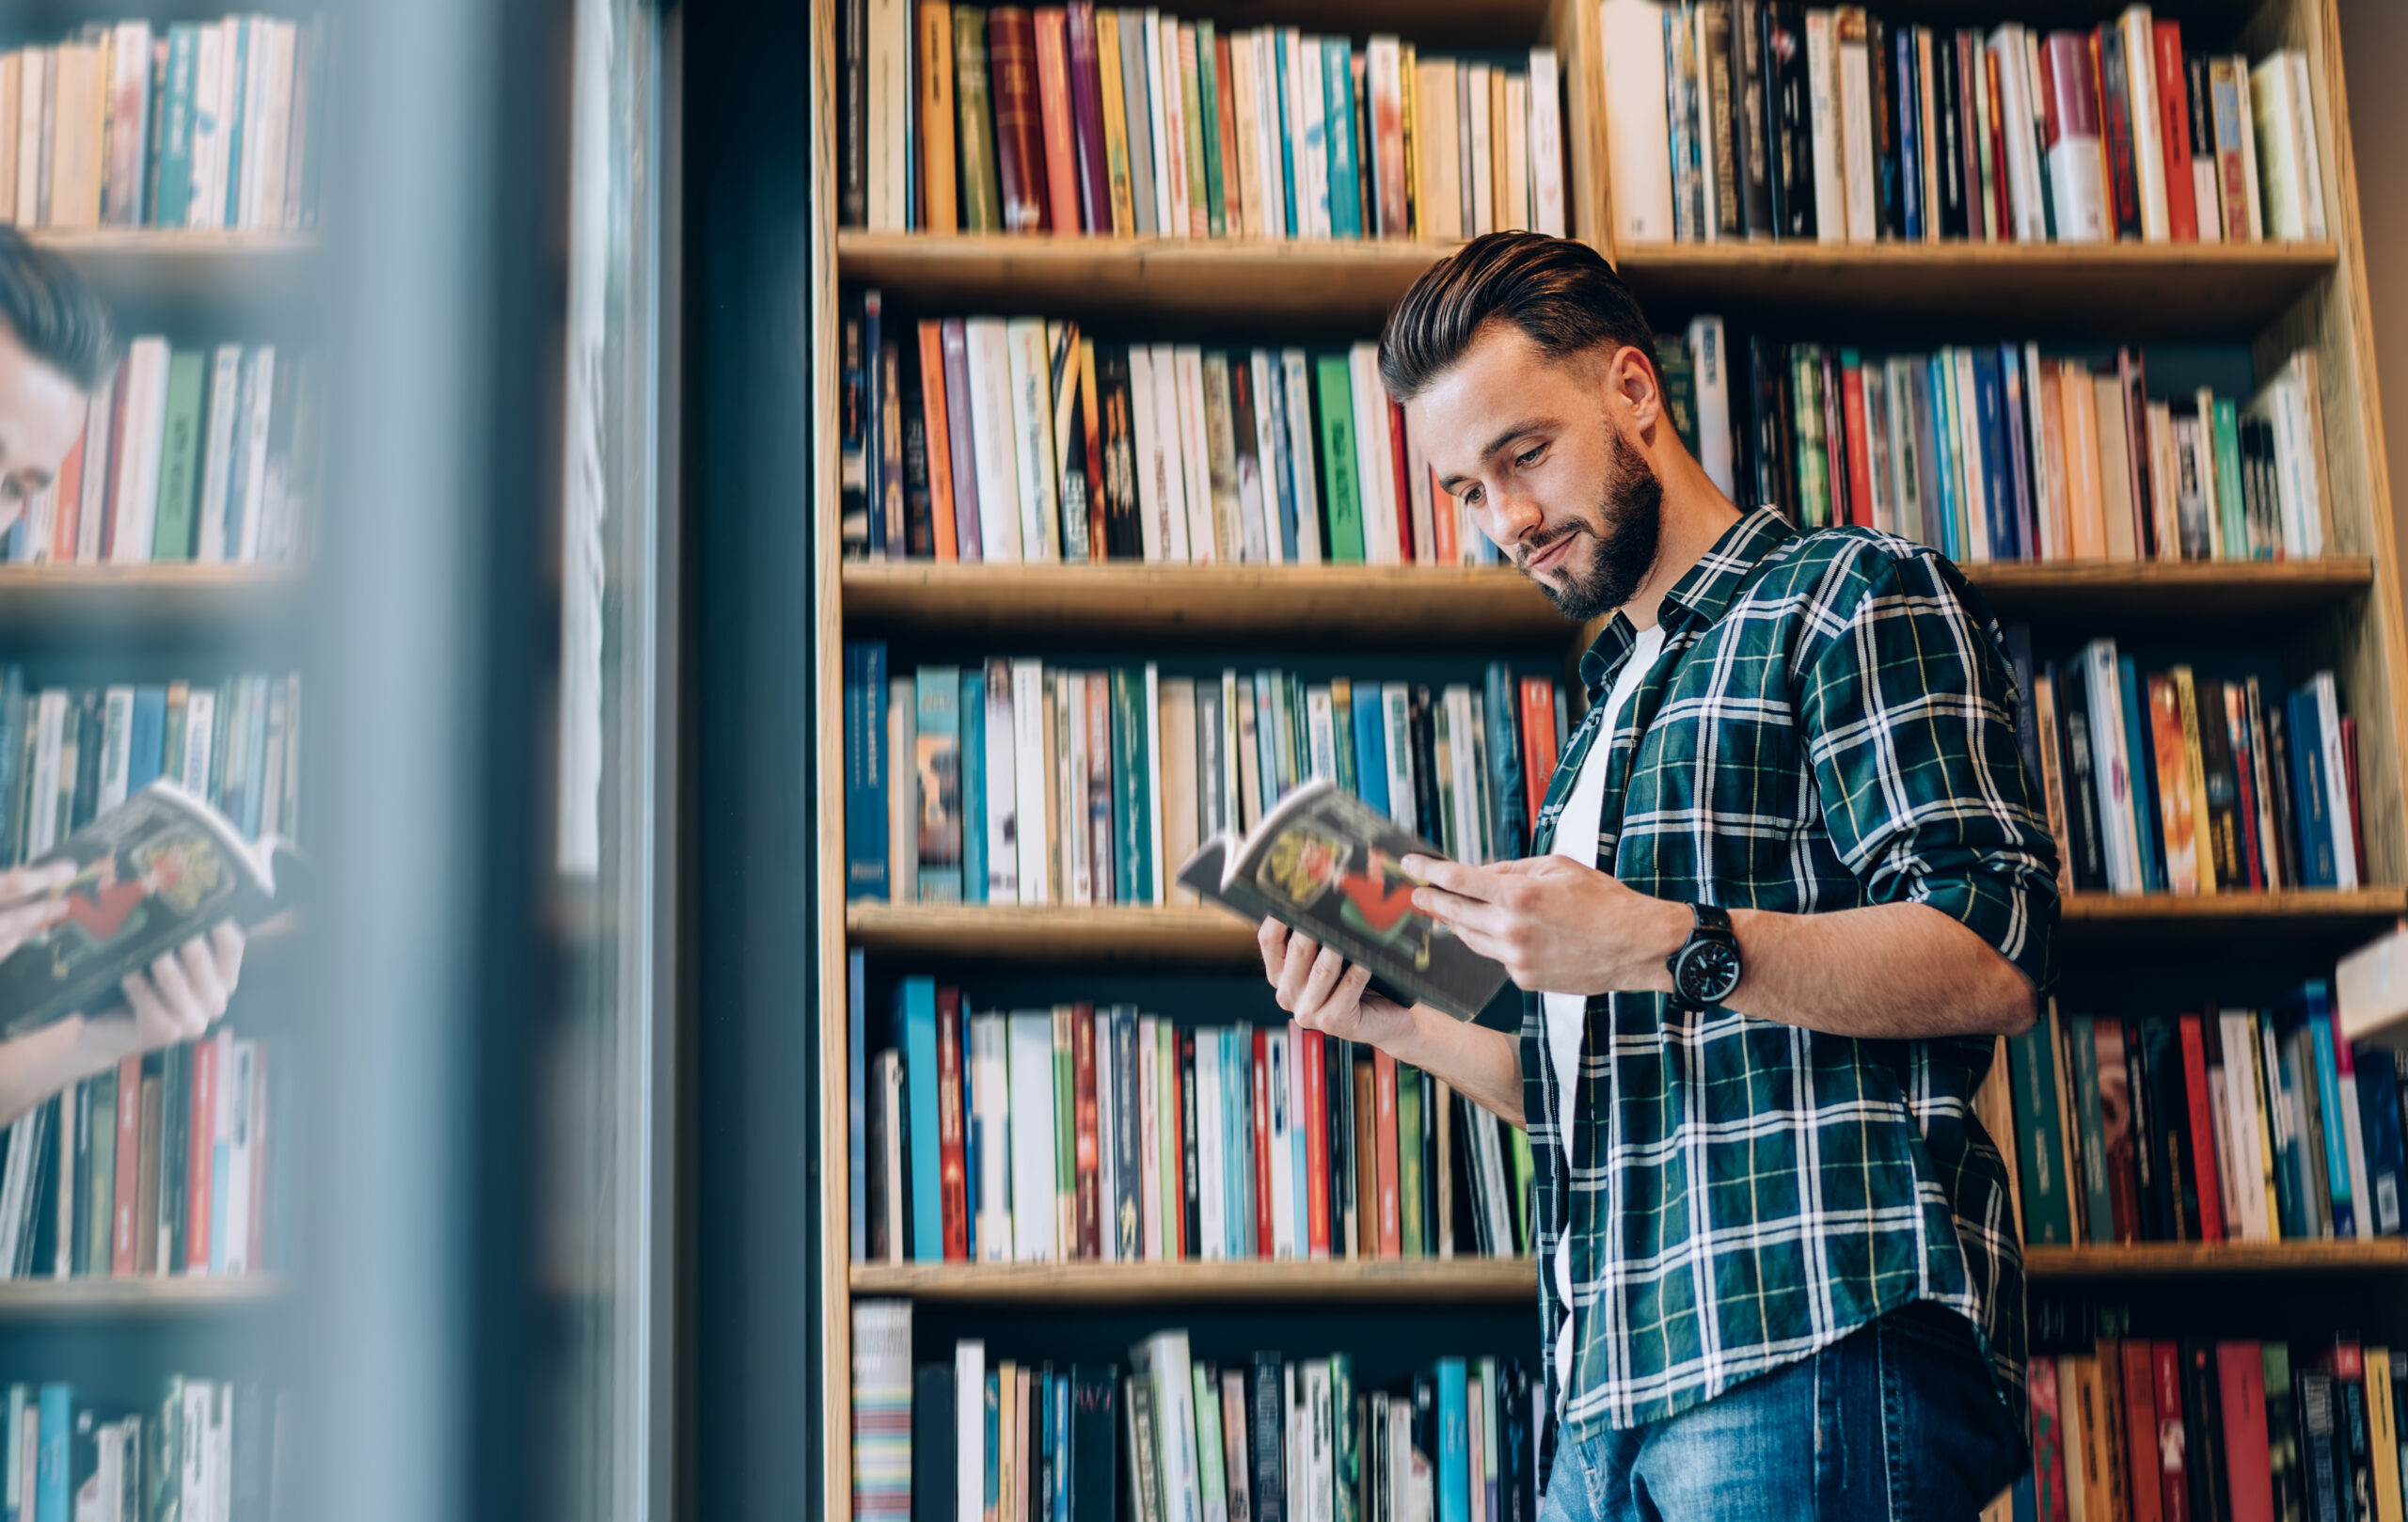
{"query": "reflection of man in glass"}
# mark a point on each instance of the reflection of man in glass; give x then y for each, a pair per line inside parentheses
(57, 346)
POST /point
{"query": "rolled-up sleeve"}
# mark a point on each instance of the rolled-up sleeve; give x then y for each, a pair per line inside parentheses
(1908, 707)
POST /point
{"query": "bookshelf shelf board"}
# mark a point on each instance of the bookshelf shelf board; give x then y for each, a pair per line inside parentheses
(2304, 915)
(185, 264)
(54, 601)
(1343, 284)
(152, 1296)
(2136, 290)
(1357, 605)
(1453, 1282)
(2156, 592)
(2199, 1259)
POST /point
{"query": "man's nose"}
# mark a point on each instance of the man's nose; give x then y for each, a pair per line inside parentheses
(1513, 516)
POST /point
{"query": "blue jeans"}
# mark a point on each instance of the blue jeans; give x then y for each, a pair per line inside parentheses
(1898, 1419)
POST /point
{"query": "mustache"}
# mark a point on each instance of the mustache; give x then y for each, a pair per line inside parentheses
(1533, 549)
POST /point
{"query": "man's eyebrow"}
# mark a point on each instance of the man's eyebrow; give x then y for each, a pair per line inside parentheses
(1528, 426)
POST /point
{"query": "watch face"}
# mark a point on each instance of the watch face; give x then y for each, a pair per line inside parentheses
(1709, 973)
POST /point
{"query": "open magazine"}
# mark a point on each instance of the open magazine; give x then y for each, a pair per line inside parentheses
(157, 870)
(1324, 863)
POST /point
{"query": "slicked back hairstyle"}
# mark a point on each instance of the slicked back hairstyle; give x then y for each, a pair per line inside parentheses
(1561, 294)
(54, 312)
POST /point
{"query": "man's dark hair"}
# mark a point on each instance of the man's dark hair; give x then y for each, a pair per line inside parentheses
(1562, 295)
(54, 312)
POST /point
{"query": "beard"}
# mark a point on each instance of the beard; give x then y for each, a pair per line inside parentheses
(1629, 517)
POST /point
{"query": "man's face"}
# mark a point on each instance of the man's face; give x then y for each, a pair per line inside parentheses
(1532, 446)
(41, 414)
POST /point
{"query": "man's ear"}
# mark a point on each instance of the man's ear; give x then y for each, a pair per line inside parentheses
(1630, 375)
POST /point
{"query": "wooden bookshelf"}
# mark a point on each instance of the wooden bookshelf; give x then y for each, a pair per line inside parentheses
(2200, 1259)
(2120, 592)
(148, 267)
(57, 603)
(144, 1297)
(1425, 1280)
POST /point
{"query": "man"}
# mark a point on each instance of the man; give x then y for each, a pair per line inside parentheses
(1789, 886)
(56, 346)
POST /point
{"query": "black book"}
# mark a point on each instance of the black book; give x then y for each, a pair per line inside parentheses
(2222, 777)
(1947, 136)
(1719, 124)
(933, 1432)
(1889, 182)
(852, 109)
(1094, 1476)
(1425, 766)
(919, 508)
(79, 1218)
(1471, 1197)
(1265, 1413)
(1790, 97)
(1191, 1177)
(2352, 1444)
(1517, 1495)
(2147, 1166)
(1144, 1489)
(2203, 1457)
(1344, 1209)
(1750, 119)
(2169, 1198)
(2075, 775)
(41, 1208)
(1425, 1419)
(1769, 435)
(1123, 528)
(1428, 1142)
(87, 759)
(2320, 1456)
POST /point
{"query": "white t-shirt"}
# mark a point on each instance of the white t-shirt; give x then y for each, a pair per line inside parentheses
(1576, 836)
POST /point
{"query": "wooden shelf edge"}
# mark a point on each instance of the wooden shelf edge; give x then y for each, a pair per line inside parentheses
(2304, 903)
(975, 248)
(171, 242)
(1890, 254)
(2206, 1259)
(1493, 1280)
(146, 1295)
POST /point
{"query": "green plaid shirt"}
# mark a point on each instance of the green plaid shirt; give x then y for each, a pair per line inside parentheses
(1831, 724)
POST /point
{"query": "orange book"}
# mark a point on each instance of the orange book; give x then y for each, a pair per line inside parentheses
(206, 1055)
(1263, 1225)
(1232, 182)
(1053, 97)
(1443, 516)
(1315, 1119)
(1859, 453)
(1384, 1077)
(1538, 740)
(2057, 531)
(2175, 818)
(940, 446)
(2174, 132)
(1367, 1164)
(2085, 491)
(938, 211)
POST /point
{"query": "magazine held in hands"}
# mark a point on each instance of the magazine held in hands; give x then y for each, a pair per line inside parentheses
(155, 871)
(1324, 863)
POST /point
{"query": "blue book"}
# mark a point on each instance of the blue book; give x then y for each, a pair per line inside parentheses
(1508, 807)
(1286, 137)
(856, 1099)
(1454, 1444)
(171, 205)
(2379, 1123)
(52, 1466)
(1266, 737)
(973, 785)
(1370, 747)
(12, 1456)
(2140, 762)
(2025, 520)
(1132, 860)
(1944, 436)
(2026, 1502)
(2318, 1004)
(865, 770)
(918, 1001)
(1237, 1104)
(1338, 112)
(1280, 467)
(229, 130)
(1907, 113)
(147, 752)
(2310, 791)
(994, 1454)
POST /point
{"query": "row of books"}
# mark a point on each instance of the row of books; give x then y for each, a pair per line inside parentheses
(200, 1451)
(2000, 453)
(66, 754)
(1731, 118)
(197, 125)
(1019, 782)
(2216, 1428)
(1020, 439)
(2227, 1125)
(1175, 1437)
(2175, 781)
(1095, 1131)
(165, 1164)
(192, 454)
(1130, 123)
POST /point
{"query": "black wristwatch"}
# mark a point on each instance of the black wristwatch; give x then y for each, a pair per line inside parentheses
(1706, 969)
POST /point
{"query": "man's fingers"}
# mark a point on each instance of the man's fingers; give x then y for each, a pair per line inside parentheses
(1289, 985)
(228, 941)
(1459, 914)
(182, 1005)
(1272, 941)
(29, 882)
(1326, 970)
(200, 969)
(17, 925)
(150, 1010)
(1468, 882)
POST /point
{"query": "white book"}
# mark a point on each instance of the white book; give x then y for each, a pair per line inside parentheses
(1212, 1181)
(128, 79)
(1160, 103)
(1383, 82)
(33, 115)
(42, 806)
(1154, 773)
(1321, 1450)
(136, 494)
(1078, 819)
(275, 118)
(217, 451)
(968, 1430)
(1374, 465)
(1277, 1057)
(2149, 138)
(1396, 709)
(1855, 125)
(2280, 170)
(2328, 725)
(1417, 480)
(1268, 435)
(2027, 222)
(206, 206)
(989, 1059)
(2311, 149)
(1029, 738)
(1823, 98)
(1153, 532)
(254, 416)
(1028, 360)
(116, 745)
(1204, 545)
(1312, 157)
(2240, 1132)
(1294, 371)
(2355, 1150)
(1150, 1157)
(1164, 1359)
(2112, 767)
(1030, 1035)
(237, 1218)
(1969, 449)
(193, 1477)
(993, 440)
(1879, 440)
(902, 792)
(1170, 459)
(1516, 211)
(1292, 1374)
(1637, 145)
(1710, 356)
(1461, 781)
(1246, 175)
(13, 76)
(1003, 790)
(79, 100)
(200, 733)
(1478, 79)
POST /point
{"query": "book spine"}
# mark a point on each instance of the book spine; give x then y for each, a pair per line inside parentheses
(976, 138)
(1019, 126)
(938, 210)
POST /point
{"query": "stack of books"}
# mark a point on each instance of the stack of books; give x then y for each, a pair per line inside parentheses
(1132, 123)
(2229, 1124)
(192, 454)
(1095, 1131)
(1023, 440)
(1267, 1435)
(1762, 118)
(199, 1449)
(207, 124)
(1020, 781)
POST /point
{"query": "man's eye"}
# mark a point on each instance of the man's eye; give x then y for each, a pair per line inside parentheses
(1530, 456)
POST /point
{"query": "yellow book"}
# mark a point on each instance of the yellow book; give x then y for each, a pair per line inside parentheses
(1007, 1442)
(2383, 1429)
(1116, 121)
(2186, 694)
(936, 180)
(1408, 94)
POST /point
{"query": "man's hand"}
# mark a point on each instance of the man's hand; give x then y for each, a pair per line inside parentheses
(1555, 926)
(1314, 984)
(177, 999)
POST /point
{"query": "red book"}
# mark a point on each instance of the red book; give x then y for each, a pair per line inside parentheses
(2240, 1385)
(2047, 1443)
(1020, 143)
(199, 1154)
(1086, 1201)
(2140, 1434)
(2002, 198)
(1263, 1239)
(1232, 186)
(1384, 1130)
(2174, 130)
(117, 457)
(1403, 478)
(2123, 183)
(1054, 96)
(2349, 778)
(1086, 111)
(2244, 766)
(940, 441)
(2203, 1135)
(2174, 1489)
(129, 1153)
(953, 1170)
(1859, 453)
(1443, 538)
(1316, 1124)
(1538, 740)
(257, 1243)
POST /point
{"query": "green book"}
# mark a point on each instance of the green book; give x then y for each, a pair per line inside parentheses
(2040, 1147)
(1333, 379)
(1188, 204)
(1806, 418)
(1210, 1466)
(179, 458)
(1951, 512)
(100, 1187)
(1678, 373)
(1408, 1160)
(2229, 494)
(171, 205)
(1208, 97)
(1132, 855)
(1065, 1126)
(2083, 1055)
(1346, 1445)
(982, 195)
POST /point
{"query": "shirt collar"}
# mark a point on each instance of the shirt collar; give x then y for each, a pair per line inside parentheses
(1698, 598)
